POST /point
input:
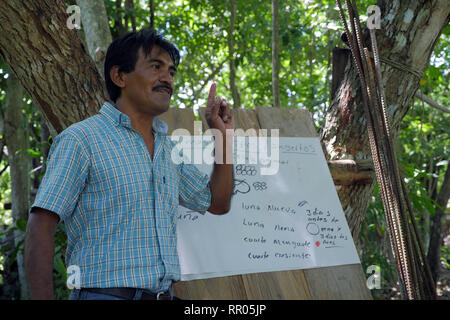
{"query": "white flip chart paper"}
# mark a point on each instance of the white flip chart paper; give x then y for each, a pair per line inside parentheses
(287, 221)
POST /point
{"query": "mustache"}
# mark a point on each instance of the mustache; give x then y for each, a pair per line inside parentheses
(163, 86)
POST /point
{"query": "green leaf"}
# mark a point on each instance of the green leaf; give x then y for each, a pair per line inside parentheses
(59, 266)
(34, 154)
(21, 224)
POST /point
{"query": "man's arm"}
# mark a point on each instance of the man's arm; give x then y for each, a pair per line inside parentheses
(65, 177)
(221, 184)
(219, 116)
(39, 253)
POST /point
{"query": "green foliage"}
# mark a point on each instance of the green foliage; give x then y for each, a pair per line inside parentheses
(445, 257)
(7, 240)
(8, 262)
(59, 268)
(375, 247)
(308, 31)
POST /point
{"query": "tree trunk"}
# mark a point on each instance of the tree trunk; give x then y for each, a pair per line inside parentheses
(96, 29)
(16, 135)
(152, 14)
(233, 87)
(50, 61)
(434, 249)
(129, 7)
(275, 56)
(45, 135)
(408, 34)
(118, 25)
(45, 148)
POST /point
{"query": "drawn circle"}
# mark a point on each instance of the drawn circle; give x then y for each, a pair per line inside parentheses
(259, 186)
(312, 228)
(245, 170)
(240, 186)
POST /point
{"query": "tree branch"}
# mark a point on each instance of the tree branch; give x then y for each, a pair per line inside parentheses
(211, 76)
(348, 172)
(2, 144)
(432, 103)
(33, 132)
(4, 169)
(152, 14)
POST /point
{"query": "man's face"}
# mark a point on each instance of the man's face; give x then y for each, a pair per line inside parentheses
(150, 85)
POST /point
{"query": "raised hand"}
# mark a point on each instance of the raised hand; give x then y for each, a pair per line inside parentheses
(218, 113)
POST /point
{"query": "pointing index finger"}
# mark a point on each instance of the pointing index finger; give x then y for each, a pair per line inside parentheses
(212, 95)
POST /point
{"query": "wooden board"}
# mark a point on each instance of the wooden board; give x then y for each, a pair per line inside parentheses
(338, 282)
(178, 118)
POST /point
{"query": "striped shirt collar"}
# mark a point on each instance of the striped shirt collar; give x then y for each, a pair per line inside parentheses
(120, 118)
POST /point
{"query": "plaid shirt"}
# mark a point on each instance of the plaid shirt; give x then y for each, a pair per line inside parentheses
(119, 206)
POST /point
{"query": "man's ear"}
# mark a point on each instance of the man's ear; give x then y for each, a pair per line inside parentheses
(117, 77)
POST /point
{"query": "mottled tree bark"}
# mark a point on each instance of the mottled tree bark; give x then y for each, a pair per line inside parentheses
(50, 61)
(408, 34)
(16, 136)
(96, 29)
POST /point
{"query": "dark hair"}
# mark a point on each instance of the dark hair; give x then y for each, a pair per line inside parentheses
(123, 52)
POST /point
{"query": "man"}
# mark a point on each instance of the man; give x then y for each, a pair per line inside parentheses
(111, 179)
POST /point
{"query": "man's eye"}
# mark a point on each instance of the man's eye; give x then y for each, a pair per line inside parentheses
(155, 66)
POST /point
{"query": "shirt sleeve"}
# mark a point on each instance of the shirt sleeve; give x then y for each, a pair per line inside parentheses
(194, 189)
(65, 176)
